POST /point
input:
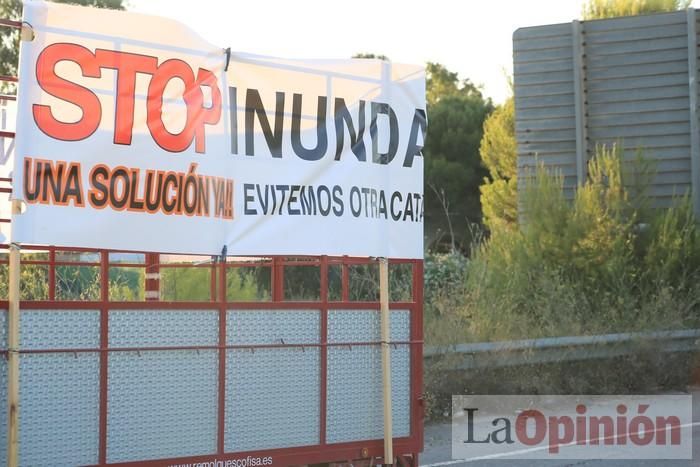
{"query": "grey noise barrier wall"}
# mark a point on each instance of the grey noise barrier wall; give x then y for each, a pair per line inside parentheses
(629, 80)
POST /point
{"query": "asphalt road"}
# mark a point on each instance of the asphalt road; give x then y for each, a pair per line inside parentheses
(438, 451)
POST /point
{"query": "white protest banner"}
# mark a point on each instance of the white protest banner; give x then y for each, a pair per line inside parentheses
(134, 133)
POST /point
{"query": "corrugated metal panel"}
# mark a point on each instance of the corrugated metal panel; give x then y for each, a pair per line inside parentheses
(638, 130)
(634, 80)
(664, 97)
(631, 81)
(635, 102)
(526, 126)
(531, 160)
(677, 28)
(648, 68)
(640, 118)
(545, 120)
(619, 48)
(539, 67)
(631, 59)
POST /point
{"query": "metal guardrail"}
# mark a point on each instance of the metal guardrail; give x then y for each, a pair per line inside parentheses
(563, 349)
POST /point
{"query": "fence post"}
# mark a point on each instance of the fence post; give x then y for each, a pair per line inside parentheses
(13, 345)
(386, 359)
(580, 101)
(152, 292)
(13, 325)
(693, 105)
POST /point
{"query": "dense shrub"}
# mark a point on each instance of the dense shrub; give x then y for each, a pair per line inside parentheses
(604, 261)
(445, 289)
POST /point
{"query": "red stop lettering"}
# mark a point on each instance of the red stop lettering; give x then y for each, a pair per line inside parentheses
(193, 98)
(127, 66)
(206, 115)
(65, 90)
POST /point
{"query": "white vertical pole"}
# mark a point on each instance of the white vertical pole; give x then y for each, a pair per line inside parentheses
(26, 34)
(13, 352)
(386, 359)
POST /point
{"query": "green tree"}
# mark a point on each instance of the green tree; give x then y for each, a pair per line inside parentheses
(498, 151)
(597, 9)
(441, 83)
(9, 42)
(456, 113)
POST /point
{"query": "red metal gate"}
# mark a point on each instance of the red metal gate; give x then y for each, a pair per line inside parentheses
(338, 283)
(50, 260)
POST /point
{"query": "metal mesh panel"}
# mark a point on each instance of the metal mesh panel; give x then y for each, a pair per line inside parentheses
(163, 328)
(162, 403)
(365, 326)
(3, 385)
(3, 329)
(272, 395)
(355, 393)
(60, 392)
(60, 329)
(354, 409)
(3, 409)
(272, 398)
(60, 409)
(273, 326)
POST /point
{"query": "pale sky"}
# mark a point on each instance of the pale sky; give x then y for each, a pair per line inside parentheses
(472, 37)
